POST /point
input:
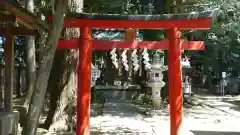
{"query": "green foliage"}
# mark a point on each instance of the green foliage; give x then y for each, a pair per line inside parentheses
(44, 3)
(223, 46)
(105, 6)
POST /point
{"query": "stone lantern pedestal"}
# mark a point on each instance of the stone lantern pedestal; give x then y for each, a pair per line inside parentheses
(156, 94)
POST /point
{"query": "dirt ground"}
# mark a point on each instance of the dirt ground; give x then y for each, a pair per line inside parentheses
(213, 116)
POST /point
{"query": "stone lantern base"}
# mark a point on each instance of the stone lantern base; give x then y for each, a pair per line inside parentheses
(156, 103)
(156, 95)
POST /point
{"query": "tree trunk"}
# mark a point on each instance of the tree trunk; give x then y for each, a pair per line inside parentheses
(168, 7)
(30, 58)
(53, 85)
(45, 66)
(63, 83)
(62, 88)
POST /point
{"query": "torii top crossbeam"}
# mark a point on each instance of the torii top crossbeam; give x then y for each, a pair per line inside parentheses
(202, 20)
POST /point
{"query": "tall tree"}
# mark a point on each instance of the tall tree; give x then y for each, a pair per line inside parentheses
(62, 84)
(43, 73)
(30, 57)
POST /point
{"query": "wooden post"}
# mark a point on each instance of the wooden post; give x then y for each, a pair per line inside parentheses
(84, 87)
(18, 79)
(9, 67)
(175, 81)
(130, 35)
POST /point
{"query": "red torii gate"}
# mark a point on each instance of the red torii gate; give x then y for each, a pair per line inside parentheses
(174, 23)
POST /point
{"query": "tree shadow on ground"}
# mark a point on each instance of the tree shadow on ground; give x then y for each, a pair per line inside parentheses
(118, 131)
(236, 104)
(120, 118)
(121, 110)
(214, 133)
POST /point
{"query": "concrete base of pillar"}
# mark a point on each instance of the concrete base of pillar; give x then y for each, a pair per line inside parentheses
(9, 123)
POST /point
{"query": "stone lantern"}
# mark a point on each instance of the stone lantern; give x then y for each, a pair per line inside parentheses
(95, 74)
(186, 70)
(156, 79)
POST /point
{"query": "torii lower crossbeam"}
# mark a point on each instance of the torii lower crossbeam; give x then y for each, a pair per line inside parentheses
(105, 45)
(171, 22)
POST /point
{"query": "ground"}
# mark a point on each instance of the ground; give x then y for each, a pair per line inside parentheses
(121, 118)
(212, 115)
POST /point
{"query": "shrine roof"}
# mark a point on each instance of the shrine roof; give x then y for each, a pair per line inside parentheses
(185, 16)
(20, 14)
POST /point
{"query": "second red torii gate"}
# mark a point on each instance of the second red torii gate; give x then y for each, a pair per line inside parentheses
(174, 23)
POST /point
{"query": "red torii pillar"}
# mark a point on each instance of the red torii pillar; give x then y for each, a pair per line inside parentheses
(175, 81)
(171, 22)
(84, 84)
